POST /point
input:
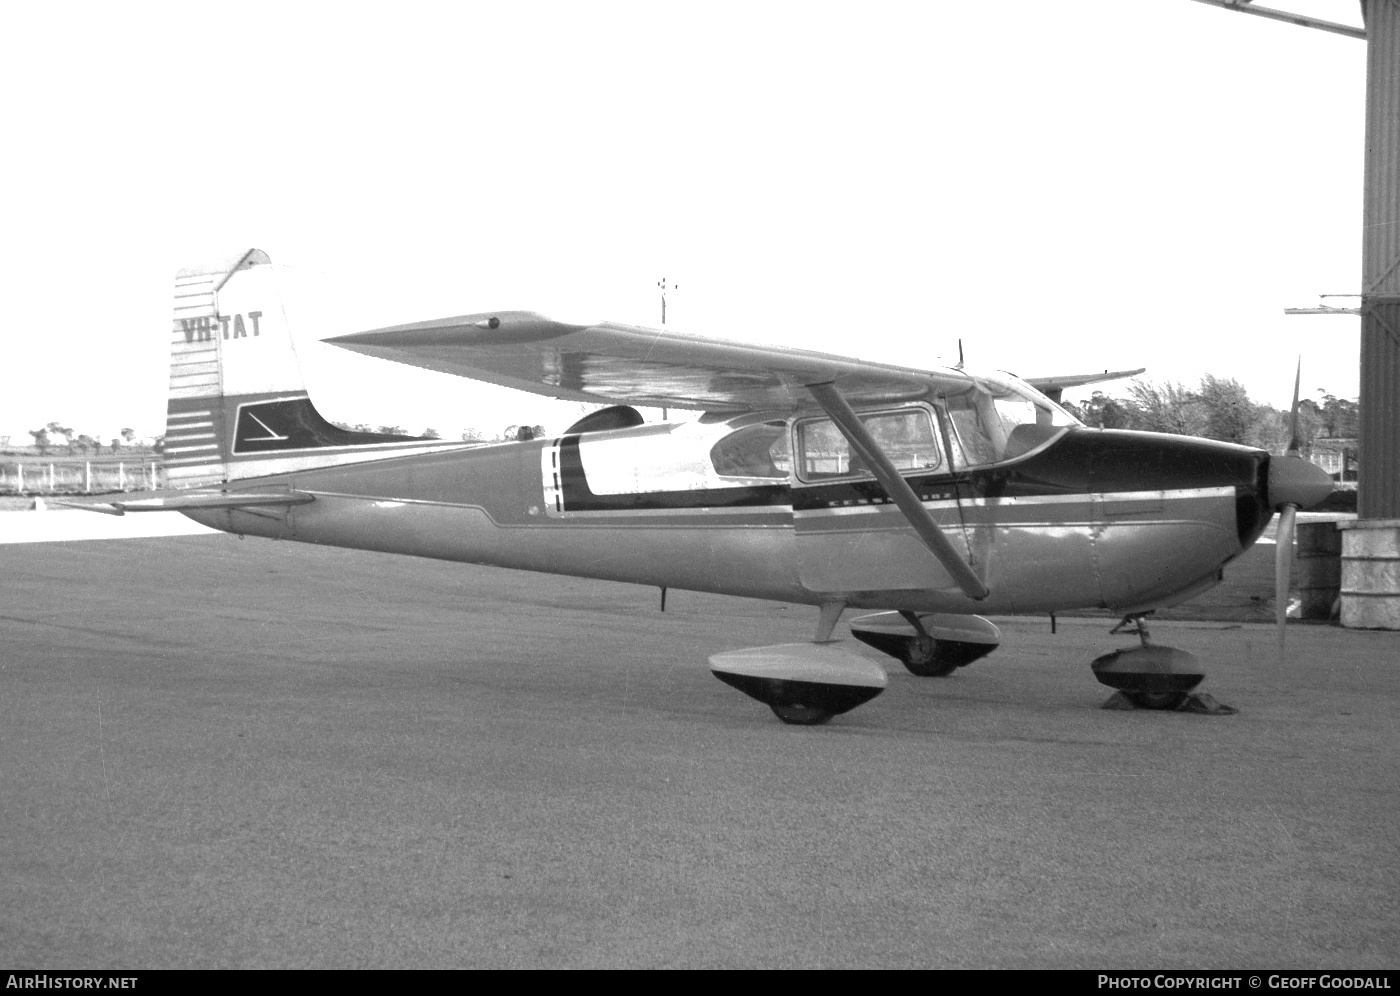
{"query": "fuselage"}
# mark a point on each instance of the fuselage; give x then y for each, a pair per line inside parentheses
(1081, 518)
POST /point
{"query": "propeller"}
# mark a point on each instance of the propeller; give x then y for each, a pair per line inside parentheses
(1293, 483)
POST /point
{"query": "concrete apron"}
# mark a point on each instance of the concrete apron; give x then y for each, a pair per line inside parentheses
(1371, 573)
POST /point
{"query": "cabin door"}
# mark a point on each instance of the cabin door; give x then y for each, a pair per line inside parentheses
(850, 536)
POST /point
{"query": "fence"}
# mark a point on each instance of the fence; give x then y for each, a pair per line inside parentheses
(35, 475)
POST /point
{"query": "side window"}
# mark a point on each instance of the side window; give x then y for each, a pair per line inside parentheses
(906, 437)
(754, 451)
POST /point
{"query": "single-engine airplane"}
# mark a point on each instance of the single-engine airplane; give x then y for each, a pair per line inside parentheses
(927, 497)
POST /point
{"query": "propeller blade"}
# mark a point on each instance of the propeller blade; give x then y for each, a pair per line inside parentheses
(1283, 570)
(1293, 442)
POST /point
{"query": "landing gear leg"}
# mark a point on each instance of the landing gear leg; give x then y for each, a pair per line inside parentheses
(1152, 676)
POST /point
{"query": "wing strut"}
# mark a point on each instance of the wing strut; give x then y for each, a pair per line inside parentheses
(897, 488)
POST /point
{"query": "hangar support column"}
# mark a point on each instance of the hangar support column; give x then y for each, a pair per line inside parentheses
(1380, 268)
(1371, 544)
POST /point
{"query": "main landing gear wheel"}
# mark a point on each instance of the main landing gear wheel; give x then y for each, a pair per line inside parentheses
(805, 684)
(931, 645)
(920, 656)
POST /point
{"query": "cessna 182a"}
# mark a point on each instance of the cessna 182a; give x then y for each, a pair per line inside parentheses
(926, 496)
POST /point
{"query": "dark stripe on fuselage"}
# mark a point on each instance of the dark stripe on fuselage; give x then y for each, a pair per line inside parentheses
(579, 497)
(1085, 462)
(1082, 461)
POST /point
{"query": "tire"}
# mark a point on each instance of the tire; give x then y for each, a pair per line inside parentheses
(925, 665)
(800, 715)
(1162, 701)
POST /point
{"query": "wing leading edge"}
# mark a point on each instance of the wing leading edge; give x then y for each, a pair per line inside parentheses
(611, 363)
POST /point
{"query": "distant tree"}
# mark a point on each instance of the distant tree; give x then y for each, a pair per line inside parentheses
(392, 430)
(159, 445)
(512, 432)
(431, 434)
(1274, 431)
(1220, 408)
(1166, 408)
(55, 429)
(471, 435)
(128, 436)
(1225, 409)
(86, 442)
(41, 440)
(1104, 412)
(116, 444)
(1341, 418)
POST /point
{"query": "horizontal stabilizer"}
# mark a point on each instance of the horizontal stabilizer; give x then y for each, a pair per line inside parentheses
(191, 501)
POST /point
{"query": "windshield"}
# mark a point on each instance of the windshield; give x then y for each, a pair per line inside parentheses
(998, 418)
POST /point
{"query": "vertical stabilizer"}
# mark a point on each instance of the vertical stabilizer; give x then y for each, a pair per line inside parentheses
(196, 430)
(237, 406)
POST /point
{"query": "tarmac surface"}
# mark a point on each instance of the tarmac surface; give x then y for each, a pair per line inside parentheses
(224, 753)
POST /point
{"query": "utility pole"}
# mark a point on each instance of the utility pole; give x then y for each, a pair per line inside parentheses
(662, 284)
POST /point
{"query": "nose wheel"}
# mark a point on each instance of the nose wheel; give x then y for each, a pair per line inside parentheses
(1152, 676)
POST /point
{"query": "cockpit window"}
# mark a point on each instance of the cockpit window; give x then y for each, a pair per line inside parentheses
(996, 419)
(906, 437)
(760, 451)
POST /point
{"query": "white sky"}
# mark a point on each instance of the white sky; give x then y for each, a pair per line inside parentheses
(1066, 186)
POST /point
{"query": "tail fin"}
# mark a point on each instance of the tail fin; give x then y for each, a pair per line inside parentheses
(237, 406)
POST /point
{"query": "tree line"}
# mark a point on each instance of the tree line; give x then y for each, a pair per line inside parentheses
(48, 437)
(511, 433)
(1218, 408)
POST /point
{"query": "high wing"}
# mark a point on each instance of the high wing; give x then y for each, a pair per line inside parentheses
(611, 363)
(614, 364)
(1053, 387)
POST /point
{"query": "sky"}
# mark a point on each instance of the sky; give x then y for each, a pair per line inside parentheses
(1064, 187)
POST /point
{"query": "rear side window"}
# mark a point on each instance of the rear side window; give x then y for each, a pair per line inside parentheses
(755, 451)
(906, 437)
